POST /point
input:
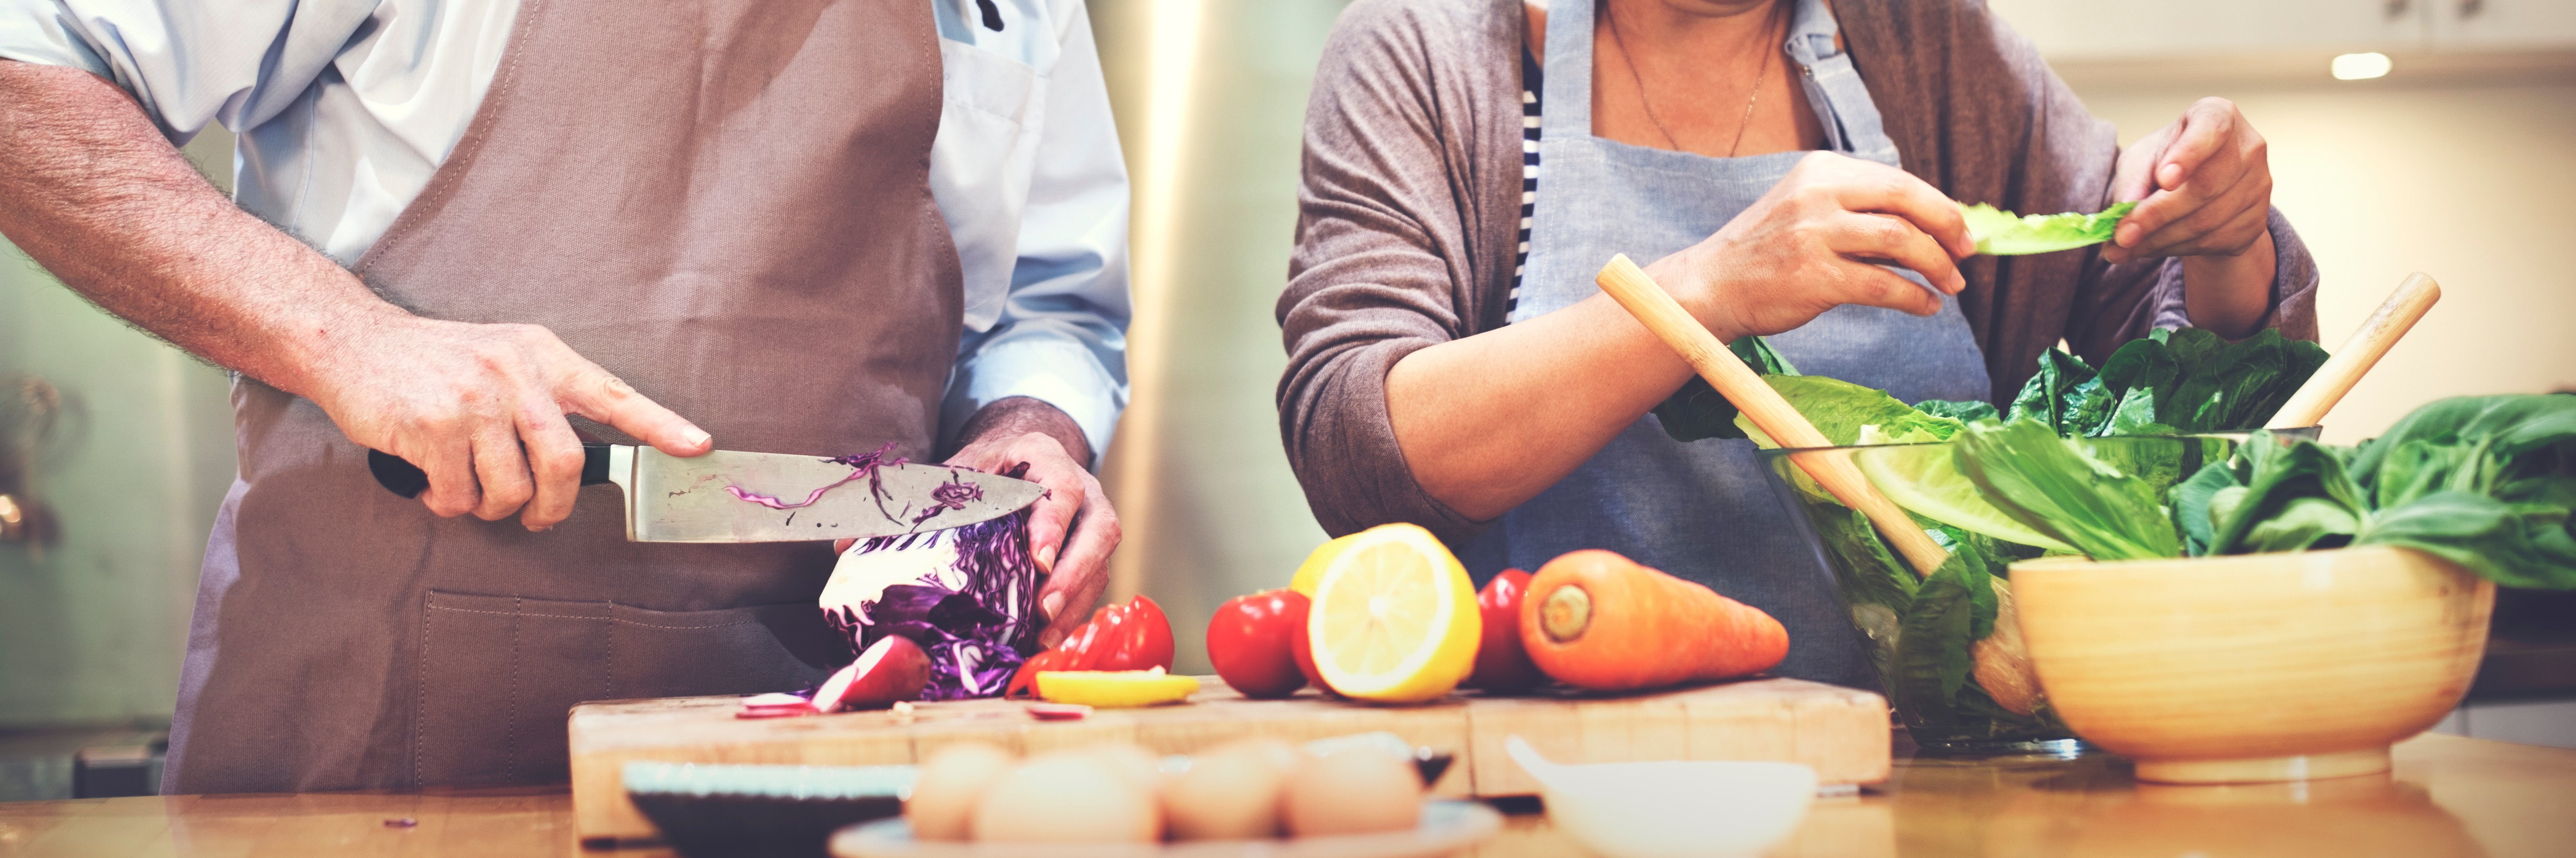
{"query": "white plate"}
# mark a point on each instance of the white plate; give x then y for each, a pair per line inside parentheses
(1447, 826)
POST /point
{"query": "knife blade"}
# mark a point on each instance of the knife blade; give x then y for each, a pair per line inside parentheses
(729, 496)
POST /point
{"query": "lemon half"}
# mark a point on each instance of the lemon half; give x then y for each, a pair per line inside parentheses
(1394, 617)
(1312, 570)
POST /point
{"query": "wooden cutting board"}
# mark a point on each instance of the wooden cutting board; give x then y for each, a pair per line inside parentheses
(1843, 733)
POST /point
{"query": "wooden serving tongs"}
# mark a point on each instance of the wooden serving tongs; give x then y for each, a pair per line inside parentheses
(2002, 664)
(2360, 352)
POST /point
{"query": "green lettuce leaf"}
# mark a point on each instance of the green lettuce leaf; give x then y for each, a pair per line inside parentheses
(1955, 607)
(2054, 486)
(1840, 409)
(2066, 394)
(2486, 481)
(1697, 411)
(2001, 233)
(2516, 545)
(1964, 411)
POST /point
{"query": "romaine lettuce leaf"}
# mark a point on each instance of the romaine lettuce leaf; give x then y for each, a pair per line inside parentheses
(2000, 233)
(2055, 487)
(1840, 409)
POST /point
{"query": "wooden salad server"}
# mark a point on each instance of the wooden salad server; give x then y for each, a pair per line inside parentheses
(2002, 665)
(2395, 317)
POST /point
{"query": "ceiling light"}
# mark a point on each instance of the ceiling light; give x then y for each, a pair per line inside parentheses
(2361, 66)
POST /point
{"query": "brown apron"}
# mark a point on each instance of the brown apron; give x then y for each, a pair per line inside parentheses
(724, 202)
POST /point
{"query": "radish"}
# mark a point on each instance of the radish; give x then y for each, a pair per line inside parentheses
(894, 668)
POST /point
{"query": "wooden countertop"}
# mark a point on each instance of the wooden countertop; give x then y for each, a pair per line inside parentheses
(2448, 796)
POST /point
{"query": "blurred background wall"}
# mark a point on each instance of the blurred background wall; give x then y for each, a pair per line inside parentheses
(138, 454)
(2456, 163)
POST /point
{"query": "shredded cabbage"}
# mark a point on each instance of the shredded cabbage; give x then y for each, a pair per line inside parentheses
(965, 594)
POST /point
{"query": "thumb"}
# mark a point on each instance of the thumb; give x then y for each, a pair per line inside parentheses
(595, 393)
(2198, 136)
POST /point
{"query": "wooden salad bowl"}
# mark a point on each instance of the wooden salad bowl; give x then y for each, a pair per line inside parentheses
(2254, 668)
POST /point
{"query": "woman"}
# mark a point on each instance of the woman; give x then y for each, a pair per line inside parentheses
(1470, 164)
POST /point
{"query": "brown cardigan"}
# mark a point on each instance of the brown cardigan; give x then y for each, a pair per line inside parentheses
(1410, 208)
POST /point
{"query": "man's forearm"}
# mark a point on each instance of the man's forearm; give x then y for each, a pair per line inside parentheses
(91, 191)
(1020, 415)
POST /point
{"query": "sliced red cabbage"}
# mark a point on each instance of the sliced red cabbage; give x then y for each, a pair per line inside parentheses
(966, 594)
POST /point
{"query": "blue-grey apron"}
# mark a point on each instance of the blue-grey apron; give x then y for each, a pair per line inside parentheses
(1703, 510)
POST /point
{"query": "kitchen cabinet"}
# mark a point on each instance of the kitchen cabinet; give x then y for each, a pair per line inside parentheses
(2146, 29)
(2153, 29)
(2501, 24)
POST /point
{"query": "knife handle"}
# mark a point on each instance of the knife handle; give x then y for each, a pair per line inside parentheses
(401, 478)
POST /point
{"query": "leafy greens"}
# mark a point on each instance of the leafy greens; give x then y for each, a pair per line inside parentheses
(2169, 382)
(2486, 482)
(2001, 233)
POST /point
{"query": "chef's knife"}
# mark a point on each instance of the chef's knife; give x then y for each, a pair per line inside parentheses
(726, 496)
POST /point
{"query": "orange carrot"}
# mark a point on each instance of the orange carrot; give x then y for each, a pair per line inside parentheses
(1594, 619)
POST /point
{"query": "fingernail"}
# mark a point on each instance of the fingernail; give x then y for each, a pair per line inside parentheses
(694, 435)
(1051, 604)
(1046, 559)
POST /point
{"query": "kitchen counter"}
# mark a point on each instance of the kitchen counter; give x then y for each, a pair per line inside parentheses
(2448, 796)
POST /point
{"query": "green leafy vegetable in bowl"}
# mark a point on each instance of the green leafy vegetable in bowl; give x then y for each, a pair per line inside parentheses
(2087, 488)
(2487, 482)
(2001, 233)
(2170, 382)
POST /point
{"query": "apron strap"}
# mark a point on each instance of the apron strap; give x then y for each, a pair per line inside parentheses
(1850, 116)
(1568, 71)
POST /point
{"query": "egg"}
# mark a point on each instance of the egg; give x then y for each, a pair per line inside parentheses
(1138, 764)
(942, 806)
(1231, 791)
(1356, 790)
(1079, 796)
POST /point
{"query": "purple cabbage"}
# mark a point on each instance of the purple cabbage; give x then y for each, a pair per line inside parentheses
(975, 615)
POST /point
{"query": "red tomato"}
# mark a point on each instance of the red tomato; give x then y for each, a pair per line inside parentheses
(1251, 638)
(1501, 664)
(1134, 636)
(1149, 636)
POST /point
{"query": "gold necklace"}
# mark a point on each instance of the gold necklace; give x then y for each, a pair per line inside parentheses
(1750, 98)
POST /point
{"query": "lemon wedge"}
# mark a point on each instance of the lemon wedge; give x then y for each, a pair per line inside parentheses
(1113, 689)
(1312, 570)
(1394, 617)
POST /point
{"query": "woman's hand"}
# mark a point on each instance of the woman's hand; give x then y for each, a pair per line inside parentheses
(1815, 242)
(2203, 186)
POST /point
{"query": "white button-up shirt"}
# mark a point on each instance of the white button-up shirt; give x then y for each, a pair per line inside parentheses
(345, 107)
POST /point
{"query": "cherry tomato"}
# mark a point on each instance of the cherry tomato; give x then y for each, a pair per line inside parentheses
(1501, 664)
(1250, 641)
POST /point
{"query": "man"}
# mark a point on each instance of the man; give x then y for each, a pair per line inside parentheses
(809, 226)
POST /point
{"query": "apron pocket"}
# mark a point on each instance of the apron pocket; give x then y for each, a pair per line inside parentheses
(499, 674)
(781, 647)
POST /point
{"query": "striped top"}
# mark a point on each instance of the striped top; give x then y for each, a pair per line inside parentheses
(1530, 88)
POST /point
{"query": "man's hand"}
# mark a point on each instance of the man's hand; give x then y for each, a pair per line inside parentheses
(89, 188)
(2203, 185)
(480, 409)
(1073, 528)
